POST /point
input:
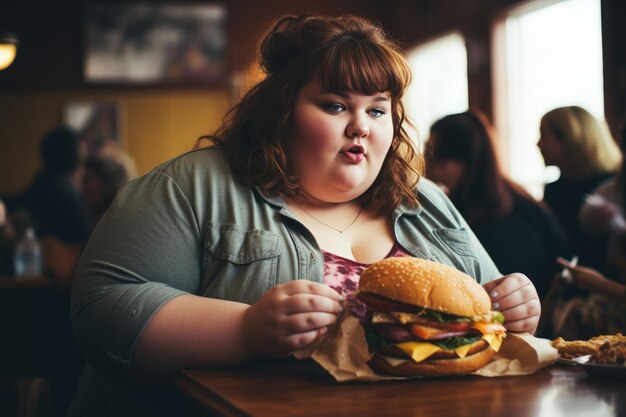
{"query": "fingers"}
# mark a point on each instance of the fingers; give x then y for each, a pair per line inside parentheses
(308, 307)
(309, 287)
(563, 262)
(513, 299)
(294, 342)
(526, 309)
(301, 296)
(516, 298)
(295, 332)
(304, 303)
(506, 285)
(291, 315)
(491, 285)
(525, 325)
(303, 323)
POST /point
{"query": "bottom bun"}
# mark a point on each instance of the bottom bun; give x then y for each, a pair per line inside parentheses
(437, 367)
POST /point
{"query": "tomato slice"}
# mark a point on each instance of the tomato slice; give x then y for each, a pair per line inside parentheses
(460, 326)
(425, 332)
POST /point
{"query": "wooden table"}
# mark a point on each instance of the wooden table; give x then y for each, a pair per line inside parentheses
(30, 282)
(301, 389)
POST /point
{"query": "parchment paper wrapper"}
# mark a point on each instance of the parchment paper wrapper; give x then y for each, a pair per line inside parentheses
(343, 353)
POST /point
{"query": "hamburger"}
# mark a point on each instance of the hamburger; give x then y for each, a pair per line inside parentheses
(427, 319)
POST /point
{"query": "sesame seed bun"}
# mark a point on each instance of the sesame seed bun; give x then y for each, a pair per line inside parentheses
(425, 284)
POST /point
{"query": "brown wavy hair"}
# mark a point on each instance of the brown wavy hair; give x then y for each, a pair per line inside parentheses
(345, 53)
(485, 193)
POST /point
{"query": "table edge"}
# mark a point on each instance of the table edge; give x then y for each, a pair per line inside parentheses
(207, 399)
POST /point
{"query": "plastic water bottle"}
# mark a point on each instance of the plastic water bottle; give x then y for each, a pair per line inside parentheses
(28, 259)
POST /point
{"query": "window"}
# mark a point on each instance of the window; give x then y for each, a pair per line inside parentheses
(439, 85)
(550, 56)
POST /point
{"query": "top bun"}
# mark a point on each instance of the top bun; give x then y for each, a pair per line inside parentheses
(426, 284)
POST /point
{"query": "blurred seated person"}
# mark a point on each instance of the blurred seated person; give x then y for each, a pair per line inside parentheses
(603, 209)
(583, 149)
(603, 311)
(519, 233)
(6, 243)
(109, 148)
(56, 206)
(103, 176)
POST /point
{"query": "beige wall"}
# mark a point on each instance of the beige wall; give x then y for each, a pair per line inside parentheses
(157, 125)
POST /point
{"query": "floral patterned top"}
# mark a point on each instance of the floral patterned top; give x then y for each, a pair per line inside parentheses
(342, 275)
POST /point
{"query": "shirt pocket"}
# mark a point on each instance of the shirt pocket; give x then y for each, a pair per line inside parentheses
(458, 247)
(239, 264)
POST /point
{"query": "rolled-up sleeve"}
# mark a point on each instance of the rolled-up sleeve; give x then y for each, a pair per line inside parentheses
(145, 251)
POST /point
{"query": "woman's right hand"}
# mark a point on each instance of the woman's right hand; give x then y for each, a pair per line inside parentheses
(289, 317)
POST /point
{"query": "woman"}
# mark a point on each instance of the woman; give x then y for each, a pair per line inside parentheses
(583, 149)
(519, 234)
(215, 258)
(604, 310)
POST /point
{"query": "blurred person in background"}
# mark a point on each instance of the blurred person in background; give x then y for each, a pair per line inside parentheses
(519, 233)
(103, 176)
(55, 204)
(6, 243)
(582, 147)
(602, 211)
(603, 311)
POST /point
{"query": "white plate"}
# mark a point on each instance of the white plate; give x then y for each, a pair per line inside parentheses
(580, 360)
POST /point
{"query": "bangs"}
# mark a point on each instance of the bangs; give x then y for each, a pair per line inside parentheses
(349, 64)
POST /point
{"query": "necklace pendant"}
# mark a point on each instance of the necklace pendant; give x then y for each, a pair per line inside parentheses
(329, 226)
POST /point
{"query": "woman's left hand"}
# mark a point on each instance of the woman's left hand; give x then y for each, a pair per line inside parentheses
(515, 296)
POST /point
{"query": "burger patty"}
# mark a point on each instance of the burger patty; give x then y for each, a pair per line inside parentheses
(398, 333)
(475, 347)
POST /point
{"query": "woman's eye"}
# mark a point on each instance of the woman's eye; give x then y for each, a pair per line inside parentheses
(334, 107)
(377, 113)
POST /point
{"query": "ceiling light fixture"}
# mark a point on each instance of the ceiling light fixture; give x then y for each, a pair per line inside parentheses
(8, 49)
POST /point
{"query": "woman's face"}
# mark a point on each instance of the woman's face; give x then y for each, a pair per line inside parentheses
(339, 141)
(550, 145)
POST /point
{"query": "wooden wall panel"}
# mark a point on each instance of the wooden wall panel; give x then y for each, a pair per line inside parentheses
(157, 125)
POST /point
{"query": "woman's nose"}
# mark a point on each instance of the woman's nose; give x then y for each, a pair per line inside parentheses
(358, 128)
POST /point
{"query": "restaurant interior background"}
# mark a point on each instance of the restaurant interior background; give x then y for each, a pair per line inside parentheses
(157, 120)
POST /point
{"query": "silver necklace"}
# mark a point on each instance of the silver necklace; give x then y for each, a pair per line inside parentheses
(329, 226)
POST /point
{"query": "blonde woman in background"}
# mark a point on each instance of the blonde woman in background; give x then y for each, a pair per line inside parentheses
(584, 150)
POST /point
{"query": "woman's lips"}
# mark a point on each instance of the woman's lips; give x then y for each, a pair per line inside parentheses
(354, 154)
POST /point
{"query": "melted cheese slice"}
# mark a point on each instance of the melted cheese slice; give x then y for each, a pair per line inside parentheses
(419, 351)
(494, 340)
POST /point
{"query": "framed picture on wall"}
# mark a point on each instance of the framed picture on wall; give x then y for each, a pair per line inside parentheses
(161, 43)
(98, 123)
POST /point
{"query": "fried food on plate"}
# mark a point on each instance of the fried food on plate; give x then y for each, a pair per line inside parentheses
(611, 353)
(575, 348)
